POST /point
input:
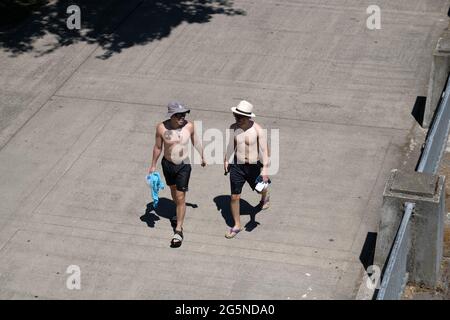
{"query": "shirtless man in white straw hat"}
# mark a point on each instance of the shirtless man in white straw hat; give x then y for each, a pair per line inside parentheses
(248, 146)
(174, 135)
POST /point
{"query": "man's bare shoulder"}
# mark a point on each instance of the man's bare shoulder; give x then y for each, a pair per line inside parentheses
(160, 127)
(189, 125)
(257, 126)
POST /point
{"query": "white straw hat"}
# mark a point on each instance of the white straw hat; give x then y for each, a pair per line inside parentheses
(244, 108)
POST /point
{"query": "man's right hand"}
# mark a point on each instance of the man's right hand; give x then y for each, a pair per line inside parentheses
(225, 167)
(151, 170)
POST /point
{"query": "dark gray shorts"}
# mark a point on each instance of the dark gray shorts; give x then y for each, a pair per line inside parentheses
(176, 174)
(243, 172)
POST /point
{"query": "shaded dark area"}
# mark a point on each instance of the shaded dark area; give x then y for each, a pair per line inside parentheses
(112, 24)
(418, 110)
(223, 205)
(368, 251)
(13, 12)
(166, 209)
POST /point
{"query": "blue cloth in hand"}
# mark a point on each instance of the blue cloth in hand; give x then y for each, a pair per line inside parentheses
(156, 184)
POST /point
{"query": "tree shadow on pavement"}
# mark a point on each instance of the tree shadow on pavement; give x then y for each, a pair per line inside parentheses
(223, 205)
(112, 24)
(166, 209)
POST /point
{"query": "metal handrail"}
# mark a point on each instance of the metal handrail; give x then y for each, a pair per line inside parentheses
(437, 137)
(386, 290)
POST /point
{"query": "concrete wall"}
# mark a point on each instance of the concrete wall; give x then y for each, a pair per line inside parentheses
(440, 69)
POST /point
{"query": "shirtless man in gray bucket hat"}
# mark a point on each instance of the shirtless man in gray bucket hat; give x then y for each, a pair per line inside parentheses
(172, 138)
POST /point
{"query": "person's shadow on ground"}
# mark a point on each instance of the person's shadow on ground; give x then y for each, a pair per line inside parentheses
(166, 209)
(223, 205)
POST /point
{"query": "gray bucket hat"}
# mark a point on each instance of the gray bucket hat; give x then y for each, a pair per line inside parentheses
(175, 107)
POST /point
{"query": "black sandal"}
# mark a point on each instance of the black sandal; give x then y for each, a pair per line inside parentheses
(177, 239)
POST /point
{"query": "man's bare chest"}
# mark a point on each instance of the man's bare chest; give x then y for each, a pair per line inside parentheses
(175, 136)
(248, 137)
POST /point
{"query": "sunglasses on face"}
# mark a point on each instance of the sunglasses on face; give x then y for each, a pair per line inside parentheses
(180, 115)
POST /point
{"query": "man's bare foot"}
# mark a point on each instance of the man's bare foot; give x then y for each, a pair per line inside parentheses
(233, 232)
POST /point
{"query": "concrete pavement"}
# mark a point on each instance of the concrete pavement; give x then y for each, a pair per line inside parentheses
(77, 139)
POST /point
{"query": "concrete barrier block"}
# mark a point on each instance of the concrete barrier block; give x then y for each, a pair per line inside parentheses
(427, 191)
(440, 68)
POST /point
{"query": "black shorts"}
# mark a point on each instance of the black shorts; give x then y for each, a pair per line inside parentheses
(242, 172)
(176, 174)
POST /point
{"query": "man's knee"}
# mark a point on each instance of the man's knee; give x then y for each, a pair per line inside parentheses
(180, 197)
(235, 197)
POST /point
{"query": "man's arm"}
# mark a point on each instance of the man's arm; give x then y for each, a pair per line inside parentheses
(157, 149)
(264, 149)
(229, 150)
(197, 143)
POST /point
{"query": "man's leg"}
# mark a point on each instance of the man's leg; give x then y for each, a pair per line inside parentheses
(182, 186)
(253, 172)
(173, 192)
(236, 183)
(180, 197)
(169, 175)
(235, 210)
(265, 199)
(181, 211)
(263, 194)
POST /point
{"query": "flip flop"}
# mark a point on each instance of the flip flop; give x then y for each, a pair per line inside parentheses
(233, 232)
(177, 239)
